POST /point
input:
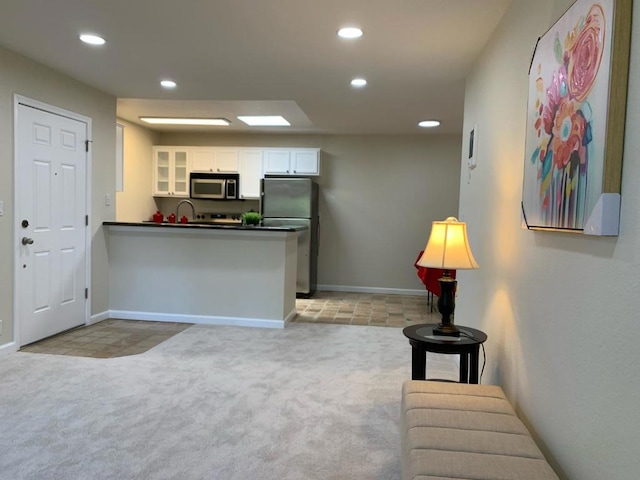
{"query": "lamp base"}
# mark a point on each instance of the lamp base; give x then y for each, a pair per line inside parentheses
(446, 306)
(446, 330)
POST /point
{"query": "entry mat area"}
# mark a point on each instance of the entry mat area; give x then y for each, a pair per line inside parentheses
(108, 339)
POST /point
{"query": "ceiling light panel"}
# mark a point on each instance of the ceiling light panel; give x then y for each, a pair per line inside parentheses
(168, 83)
(220, 122)
(264, 120)
(358, 82)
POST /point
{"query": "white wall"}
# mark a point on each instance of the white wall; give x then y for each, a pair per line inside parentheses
(378, 197)
(560, 309)
(135, 202)
(25, 77)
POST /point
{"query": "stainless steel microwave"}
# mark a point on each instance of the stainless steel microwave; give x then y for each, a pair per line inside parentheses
(214, 186)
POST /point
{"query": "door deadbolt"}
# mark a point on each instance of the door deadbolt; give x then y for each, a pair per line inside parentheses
(25, 223)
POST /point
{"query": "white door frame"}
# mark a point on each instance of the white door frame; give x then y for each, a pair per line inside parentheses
(29, 102)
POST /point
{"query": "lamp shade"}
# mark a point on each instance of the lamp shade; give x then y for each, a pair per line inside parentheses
(448, 247)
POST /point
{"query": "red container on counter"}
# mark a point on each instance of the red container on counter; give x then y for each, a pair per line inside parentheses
(172, 218)
(158, 217)
(184, 219)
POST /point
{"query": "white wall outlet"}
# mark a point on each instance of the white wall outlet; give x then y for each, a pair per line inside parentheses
(107, 199)
(1, 208)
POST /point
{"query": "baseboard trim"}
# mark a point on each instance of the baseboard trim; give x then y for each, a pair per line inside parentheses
(200, 319)
(98, 317)
(385, 291)
(290, 317)
(7, 348)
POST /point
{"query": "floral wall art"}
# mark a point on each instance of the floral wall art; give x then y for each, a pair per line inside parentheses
(575, 120)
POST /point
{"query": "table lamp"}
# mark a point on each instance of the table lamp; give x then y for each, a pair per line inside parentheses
(447, 249)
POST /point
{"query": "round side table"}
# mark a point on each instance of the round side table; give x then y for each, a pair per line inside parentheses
(467, 345)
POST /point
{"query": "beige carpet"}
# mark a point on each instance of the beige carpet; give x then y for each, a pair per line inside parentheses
(228, 403)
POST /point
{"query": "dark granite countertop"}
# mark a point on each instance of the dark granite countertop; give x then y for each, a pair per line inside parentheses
(204, 226)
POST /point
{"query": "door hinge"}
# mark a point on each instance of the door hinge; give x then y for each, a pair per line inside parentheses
(86, 293)
(86, 220)
(86, 145)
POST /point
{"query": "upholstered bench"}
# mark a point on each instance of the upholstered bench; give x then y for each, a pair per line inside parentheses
(460, 431)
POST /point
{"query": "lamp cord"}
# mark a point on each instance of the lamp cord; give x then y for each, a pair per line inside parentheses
(484, 353)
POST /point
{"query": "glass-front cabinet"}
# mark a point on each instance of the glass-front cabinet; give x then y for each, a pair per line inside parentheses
(171, 172)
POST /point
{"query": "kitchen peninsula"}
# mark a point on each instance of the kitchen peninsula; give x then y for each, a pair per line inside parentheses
(211, 274)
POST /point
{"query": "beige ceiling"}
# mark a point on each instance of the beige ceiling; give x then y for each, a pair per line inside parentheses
(233, 57)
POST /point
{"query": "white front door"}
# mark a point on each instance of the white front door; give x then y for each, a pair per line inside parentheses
(51, 194)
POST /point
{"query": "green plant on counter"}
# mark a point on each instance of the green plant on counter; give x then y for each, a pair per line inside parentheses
(251, 218)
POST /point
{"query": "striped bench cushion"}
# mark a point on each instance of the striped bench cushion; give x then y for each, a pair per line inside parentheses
(457, 431)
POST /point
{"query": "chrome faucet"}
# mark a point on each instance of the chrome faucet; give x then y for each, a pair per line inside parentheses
(193, 209)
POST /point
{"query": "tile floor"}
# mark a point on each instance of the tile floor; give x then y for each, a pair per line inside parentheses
(108, 339)
(365, 309)
(117, 338)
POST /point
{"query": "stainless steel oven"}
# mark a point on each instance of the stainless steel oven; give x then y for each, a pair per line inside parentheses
(214, 186)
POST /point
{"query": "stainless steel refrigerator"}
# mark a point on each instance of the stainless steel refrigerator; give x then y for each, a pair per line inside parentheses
(294, 201)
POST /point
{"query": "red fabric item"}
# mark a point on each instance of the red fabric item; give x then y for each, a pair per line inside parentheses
(430, 276)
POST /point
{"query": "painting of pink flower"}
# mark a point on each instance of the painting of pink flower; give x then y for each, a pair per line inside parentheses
(568, 134)
(586, 54)
(567, 117)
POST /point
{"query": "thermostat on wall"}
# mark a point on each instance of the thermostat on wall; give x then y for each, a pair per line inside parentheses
(472, 158)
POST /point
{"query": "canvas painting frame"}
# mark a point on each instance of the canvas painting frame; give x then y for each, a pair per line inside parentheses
(575, 120)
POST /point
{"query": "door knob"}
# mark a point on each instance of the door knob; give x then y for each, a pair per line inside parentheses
(27, 241)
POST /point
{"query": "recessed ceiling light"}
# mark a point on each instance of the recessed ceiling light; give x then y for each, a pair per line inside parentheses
(428, 123)
(264, 120)
(168, 84)
(223, 122)
(92, 39)
(350, 32)
(358, 82)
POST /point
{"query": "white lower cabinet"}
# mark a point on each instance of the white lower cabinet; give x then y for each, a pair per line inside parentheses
(250, 172)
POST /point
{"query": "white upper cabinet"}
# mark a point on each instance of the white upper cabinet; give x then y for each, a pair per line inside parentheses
(171, 171)
(172, 165)
(214, 159)
(201, 159)
(226, 160)
(292, 161)
(250, 172)
(305, 161)
(277, 161)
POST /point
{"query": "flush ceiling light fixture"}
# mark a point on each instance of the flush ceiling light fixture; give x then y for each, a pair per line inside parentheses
(92, 39)
(350, 32)
(220, 122)
(428, 123)
(264, 120)
(168, 83)
(358, 82)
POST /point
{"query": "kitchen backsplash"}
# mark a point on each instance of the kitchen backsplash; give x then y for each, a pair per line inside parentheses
(168, 205)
